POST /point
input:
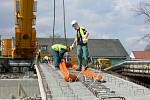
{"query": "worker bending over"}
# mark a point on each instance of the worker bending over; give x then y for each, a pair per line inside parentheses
(81, 40)
(58, 51)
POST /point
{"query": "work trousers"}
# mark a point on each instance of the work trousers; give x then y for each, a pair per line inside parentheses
(57, 56)
(82, 54)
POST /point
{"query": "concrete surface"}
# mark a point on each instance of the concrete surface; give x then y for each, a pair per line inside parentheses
(19, 88)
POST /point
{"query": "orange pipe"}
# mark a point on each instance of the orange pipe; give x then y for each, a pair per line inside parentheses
(67, 74)
(87, 72)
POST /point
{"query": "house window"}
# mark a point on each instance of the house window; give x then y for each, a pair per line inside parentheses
(44, 48)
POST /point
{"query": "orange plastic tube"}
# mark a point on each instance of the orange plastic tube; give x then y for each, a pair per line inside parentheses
(67, 74)
(87, 72)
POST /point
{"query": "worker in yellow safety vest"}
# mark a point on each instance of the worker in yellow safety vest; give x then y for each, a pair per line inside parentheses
(81, 40)
(58, 51)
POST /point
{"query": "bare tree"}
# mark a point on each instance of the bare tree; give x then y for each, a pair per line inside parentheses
(144, 9)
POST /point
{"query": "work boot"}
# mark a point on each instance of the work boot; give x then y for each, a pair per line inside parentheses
(79, 69)
(86, 68)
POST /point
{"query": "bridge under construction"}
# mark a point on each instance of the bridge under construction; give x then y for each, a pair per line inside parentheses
(49, 84)
(24, 77)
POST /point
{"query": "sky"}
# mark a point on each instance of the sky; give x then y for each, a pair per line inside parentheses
(103, 19)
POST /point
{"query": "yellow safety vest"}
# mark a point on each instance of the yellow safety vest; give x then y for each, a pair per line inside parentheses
(80, 34)
(58, 47)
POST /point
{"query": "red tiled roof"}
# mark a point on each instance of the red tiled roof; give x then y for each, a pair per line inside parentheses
(141, 54)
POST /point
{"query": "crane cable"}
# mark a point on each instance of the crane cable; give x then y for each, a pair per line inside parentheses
(53, 24)
(64, 22)
(64, 18)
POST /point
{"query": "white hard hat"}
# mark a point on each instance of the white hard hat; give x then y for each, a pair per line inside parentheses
(46, 57)
(73, 22)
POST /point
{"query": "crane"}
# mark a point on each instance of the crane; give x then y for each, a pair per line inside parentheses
(24, 45)
(25, 33)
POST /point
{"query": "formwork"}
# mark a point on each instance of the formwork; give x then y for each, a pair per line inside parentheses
(19, 89)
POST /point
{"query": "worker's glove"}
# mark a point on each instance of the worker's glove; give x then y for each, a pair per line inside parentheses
(85, 39)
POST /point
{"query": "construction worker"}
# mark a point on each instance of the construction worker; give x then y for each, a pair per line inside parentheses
(57, 51)
(81, 40)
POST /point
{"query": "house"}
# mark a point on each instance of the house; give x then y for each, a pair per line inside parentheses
(140, 55)
(104, 48)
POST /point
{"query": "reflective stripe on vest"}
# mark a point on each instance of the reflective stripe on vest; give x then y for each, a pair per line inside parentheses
(80, 34)
(58, 47)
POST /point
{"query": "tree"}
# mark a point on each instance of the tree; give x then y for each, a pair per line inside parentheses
(144, 9)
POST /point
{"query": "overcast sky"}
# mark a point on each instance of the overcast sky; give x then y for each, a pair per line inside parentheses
(113, 19)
